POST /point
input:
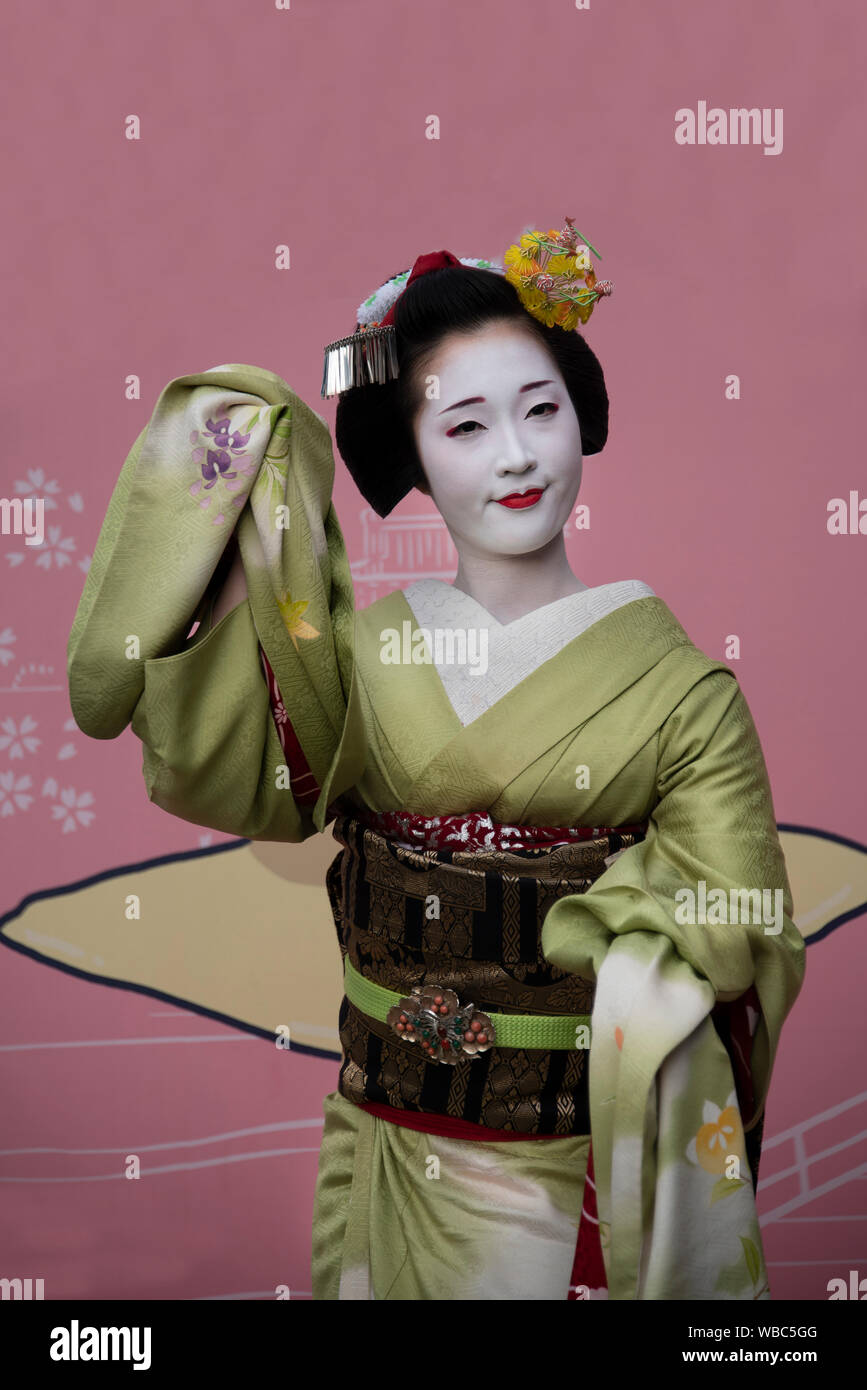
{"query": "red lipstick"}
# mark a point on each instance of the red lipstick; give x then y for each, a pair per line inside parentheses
(521, 499)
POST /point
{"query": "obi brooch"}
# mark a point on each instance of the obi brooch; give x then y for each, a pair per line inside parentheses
(435, 1018)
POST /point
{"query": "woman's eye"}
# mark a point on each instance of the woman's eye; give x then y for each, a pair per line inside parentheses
(469, 427)
(460, 429)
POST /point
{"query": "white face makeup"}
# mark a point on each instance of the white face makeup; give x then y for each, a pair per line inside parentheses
(503, 423)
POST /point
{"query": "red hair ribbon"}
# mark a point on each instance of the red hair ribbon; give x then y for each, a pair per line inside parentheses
(431, 260)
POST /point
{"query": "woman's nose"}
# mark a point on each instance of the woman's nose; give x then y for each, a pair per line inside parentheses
(513, 453)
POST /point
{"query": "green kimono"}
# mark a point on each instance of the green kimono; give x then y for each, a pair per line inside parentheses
(627, 722)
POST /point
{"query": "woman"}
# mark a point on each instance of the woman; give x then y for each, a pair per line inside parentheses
(531, 779)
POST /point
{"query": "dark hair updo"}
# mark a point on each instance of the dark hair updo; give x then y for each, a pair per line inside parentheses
(374, 429)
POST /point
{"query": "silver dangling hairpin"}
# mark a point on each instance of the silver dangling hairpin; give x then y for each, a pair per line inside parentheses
(362, 359)
(369, 355)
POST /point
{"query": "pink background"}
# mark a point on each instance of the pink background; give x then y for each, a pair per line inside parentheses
(156, 257)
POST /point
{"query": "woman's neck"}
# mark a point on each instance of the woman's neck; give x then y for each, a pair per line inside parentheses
(509, 586)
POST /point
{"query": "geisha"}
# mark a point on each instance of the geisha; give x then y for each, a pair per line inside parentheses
(549, 1083)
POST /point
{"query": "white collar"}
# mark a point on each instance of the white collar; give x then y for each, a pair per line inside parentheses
(514, 650)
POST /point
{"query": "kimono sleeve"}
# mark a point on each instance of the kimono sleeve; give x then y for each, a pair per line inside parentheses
(229, 453)
(210, 749)
(713, 828)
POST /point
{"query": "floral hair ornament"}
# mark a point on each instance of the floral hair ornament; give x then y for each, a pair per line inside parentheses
(552, 274)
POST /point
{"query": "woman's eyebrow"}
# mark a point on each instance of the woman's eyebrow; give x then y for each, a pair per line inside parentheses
(476, 400)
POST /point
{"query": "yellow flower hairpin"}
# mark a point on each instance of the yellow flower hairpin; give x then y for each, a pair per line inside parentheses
(554, 276)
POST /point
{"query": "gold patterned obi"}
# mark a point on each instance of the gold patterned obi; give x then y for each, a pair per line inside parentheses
(467, 921)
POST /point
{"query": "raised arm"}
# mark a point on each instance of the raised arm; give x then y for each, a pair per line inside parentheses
(222, 512)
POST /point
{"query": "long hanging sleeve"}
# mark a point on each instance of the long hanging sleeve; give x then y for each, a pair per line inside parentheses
(232, 450)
